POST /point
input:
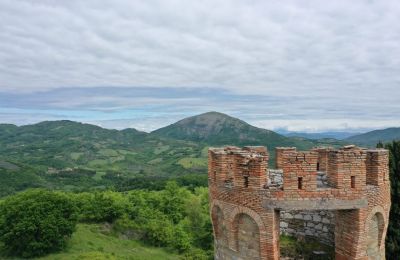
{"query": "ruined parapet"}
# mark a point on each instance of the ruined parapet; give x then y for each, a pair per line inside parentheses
(281, 153)
(233, 167)
(377, 167)
(300, 171)
(322, 164)
(347, 169)
(248, 200)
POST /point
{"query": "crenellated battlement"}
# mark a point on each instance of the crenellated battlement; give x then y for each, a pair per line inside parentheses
(347, 179)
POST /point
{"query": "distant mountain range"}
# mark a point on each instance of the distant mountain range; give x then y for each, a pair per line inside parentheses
(373, 137)
(321, 135)
(369, 139)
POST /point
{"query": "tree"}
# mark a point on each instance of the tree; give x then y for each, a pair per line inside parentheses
(36, 222)
(173, 201)
(393, 234)
(106, 206)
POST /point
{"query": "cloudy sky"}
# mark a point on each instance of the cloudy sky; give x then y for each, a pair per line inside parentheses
(297, 65)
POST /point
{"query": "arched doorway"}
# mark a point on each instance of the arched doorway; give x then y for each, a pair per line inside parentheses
(374, 237)
(247, 237)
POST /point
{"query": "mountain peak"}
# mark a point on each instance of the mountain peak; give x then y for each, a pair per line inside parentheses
(216, 128)
(213, 113)
(211, 119)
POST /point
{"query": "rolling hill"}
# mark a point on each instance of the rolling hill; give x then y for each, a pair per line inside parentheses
(373, 137)
(74, 156)
(215, 128)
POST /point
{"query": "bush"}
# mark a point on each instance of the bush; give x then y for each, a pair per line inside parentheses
(173, 217)
(36, 222)
(102, 206)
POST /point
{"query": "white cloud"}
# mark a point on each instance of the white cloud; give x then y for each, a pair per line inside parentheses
(336, 57)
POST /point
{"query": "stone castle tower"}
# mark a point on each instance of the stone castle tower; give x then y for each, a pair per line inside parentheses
(342, 197)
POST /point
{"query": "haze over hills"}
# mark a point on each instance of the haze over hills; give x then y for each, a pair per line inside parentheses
(373, 137)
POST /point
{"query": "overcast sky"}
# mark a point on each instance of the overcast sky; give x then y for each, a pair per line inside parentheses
(297, 65)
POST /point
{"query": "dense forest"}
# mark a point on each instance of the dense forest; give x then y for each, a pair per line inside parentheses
(393, 234)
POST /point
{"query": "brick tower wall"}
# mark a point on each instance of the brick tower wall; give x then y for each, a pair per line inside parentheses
(377, 167)
(247, 203)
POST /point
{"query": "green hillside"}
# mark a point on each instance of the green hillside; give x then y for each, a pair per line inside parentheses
(373, 137)
(74, 156)
(219, 129)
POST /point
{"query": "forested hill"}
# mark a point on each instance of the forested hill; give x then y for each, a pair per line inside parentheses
(71, 155)
(373, 137)
(220, 129)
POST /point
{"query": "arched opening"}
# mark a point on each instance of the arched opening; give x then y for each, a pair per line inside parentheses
(220, 231)
(374, 238)
(247, 237)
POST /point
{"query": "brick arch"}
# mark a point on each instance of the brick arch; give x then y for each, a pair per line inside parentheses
(237, 211)
(246, 236)
(380, 211)
(218, 220)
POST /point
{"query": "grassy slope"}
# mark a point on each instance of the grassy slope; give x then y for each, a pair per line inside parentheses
(89, 243)
(102, 156)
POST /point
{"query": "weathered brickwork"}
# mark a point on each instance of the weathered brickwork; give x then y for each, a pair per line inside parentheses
(342, 196)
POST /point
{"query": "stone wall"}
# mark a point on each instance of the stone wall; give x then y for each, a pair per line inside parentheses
(318, 224)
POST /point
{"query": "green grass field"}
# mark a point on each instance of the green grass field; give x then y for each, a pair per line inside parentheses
(189, 162)
(88, 242)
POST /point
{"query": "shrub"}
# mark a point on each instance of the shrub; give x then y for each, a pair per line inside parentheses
(36, 222)
(102, 206)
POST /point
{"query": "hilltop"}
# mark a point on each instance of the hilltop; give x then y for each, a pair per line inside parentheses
(216, 128)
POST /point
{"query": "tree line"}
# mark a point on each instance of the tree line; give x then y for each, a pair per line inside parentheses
(393, 233)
